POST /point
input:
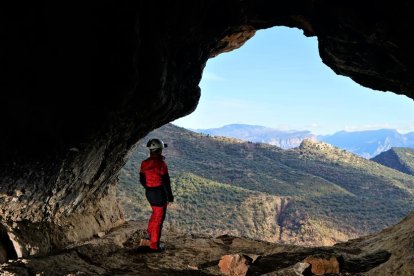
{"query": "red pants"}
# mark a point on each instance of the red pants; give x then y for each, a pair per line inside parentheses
(155, 225)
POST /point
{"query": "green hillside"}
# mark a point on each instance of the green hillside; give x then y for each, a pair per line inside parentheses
(329, 194)
(401, 159)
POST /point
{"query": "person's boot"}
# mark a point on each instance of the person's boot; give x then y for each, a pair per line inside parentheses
(160, 249)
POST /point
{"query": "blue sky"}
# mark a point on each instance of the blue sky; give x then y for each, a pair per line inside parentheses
(278, 80)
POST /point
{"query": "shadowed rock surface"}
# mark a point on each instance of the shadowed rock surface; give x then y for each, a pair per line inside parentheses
(80, 85)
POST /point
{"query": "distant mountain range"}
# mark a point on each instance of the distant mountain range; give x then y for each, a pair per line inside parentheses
(260, 134)
(367, 143)
(315, 194)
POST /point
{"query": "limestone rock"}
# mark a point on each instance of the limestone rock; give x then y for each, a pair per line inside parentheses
(321, 265)
(301, 268)
(313, 144)
(234, 265)
(234, 40)
(298, 269)
(391, 251)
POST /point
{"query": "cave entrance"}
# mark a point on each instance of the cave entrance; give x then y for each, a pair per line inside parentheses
(314, 195)
(278, 80)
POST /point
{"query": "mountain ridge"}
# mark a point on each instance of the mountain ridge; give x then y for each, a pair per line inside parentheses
(331, 189)
(367, 144)
(401, 159)
(260, 134)
(374, 141)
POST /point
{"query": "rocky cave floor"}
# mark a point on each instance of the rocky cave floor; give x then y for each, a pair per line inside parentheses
(117, 253)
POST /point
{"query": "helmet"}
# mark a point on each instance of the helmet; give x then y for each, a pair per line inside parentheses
(155, 144)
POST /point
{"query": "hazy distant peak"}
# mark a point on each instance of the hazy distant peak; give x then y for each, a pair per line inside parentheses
(260, 134)
(369, 143)
(244, 126)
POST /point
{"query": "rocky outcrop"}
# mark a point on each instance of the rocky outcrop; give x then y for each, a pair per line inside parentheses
(312, 149)
(81, 85)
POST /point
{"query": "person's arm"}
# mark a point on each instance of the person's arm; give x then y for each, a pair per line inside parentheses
(166, 182)
(167, 185)
(142, 179)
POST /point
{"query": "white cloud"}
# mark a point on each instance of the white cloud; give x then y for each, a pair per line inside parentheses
(368, 127)
(210, 76)
(314, 125)
(409, 127)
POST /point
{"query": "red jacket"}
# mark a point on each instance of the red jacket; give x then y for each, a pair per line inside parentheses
(154, 168)
(156, 180)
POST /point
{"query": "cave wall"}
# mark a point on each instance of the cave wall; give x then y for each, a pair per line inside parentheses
(80, 85)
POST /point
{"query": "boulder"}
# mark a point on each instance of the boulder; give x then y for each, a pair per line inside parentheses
(323, 264)
(234, 265)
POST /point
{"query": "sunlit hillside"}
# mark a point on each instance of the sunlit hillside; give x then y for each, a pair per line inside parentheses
(401, 159)
(315, 194)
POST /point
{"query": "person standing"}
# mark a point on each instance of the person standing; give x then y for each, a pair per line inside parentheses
(156, 181)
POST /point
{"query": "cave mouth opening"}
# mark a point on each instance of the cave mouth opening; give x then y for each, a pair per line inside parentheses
(255, 86)
(278, 80)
